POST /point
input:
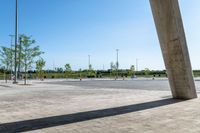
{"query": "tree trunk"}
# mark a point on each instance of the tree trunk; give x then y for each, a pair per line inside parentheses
(25, 78)
(5, 77)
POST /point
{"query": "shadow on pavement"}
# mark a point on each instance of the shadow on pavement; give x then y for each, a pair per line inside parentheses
(34, 124)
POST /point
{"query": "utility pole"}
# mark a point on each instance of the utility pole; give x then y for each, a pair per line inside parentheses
(117, 64)
(11, 61)
(16, 40)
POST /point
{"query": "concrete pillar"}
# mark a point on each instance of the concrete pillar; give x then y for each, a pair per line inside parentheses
(172, 39)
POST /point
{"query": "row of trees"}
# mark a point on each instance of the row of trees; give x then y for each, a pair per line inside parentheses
(27, 52)
(97, 73)
(68, 71)
(131, 71)
(115, 72)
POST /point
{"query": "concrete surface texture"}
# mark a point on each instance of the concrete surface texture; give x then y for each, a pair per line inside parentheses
(74, 108)
(172, 39)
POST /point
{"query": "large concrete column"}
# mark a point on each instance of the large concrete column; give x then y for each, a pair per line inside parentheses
(172, 39)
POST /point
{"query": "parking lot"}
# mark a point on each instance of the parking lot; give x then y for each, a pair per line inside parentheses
(160, 84)
(109, 106)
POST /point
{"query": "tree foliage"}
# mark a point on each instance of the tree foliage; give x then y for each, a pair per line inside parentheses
(132, 70)
(6, 57)
(113, 68)
(147, 71)
(28, 53)
(68, 68)
(91, 72)
(40, 64)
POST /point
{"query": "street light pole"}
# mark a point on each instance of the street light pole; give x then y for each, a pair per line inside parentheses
(137, 65)
(19, 56)
(88, 62)
(16, 40)
(117, 64)
(11, 61)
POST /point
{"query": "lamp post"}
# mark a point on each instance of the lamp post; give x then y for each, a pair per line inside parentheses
(117, 63)
(137, 65)
(89, 66)
(89, 62)
(16, 40)
(19, 56)
(11, 61)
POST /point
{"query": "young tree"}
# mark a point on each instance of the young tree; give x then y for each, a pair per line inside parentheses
(146, 71)
(80, 74)
(40, 64)
(113, 68)
(132, 70)
(6, 58)
(68, 69)
(91, 72)
(28, 53)
(90, 67)
(59, 70)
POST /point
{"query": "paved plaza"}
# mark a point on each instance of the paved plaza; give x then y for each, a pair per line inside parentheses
(96, 106)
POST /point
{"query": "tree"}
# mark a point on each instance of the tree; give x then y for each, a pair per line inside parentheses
(90, 67)
(40, 64)
(113, 68)
(146, 71)
(28, 53)
(59, 70)
(90, 71)
(132, 70)
(80, 74)
(68, 69)
(6, 59)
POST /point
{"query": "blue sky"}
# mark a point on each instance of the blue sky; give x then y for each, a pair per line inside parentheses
(68, 30)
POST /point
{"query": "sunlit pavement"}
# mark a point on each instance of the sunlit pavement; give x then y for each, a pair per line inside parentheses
(96, 106)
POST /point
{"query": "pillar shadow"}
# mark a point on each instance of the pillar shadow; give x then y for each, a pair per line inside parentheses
(35, 124)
